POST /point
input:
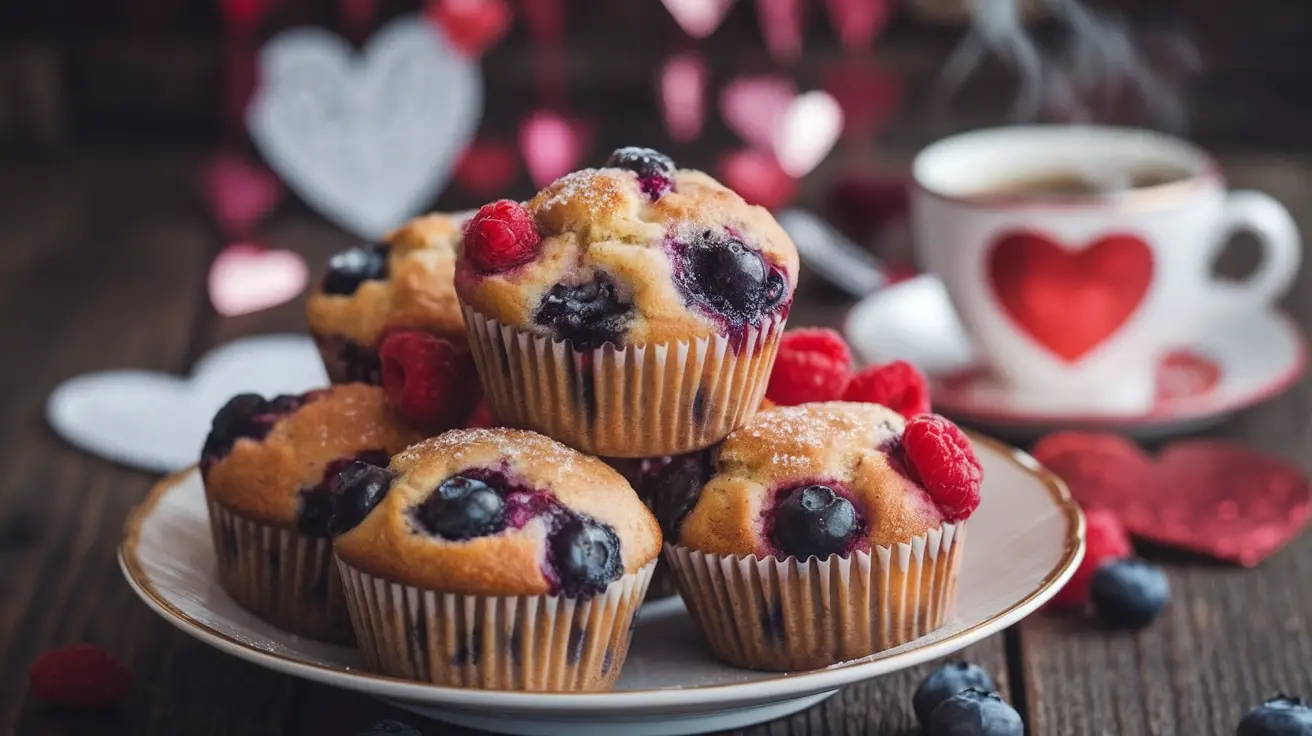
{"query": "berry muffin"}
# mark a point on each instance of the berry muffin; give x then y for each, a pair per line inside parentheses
(825, 533)
(494, 558)
(369, 290)
(267, 467)
(628, 311)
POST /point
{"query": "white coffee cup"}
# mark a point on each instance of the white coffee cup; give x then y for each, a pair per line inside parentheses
(1073, 298)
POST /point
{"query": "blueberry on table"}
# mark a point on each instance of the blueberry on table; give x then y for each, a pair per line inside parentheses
(587, 556)
(1129, 593)
(1278, 716)
(946, 681)
(815, 521)
(589, 315)
(352, 267)
(973, 712)
(463, 508)
(389, 727)
(356, 490)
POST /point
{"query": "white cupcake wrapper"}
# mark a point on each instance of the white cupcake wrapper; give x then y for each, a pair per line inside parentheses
(639, 401)
(540, 643)
(280, 575)
(788, 615)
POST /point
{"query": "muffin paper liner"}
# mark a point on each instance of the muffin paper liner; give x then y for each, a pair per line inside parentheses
(542, 643)
(788, 615)
(639, 401)
(280, 575)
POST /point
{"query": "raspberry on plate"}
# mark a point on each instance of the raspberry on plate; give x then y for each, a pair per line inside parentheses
(813, 365)
(500, 236)
(939, 454)
(79, 676)
(1105, 540)
(430, 383)
(898, 385)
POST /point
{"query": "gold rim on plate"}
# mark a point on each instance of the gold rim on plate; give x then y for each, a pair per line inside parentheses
(133, 568)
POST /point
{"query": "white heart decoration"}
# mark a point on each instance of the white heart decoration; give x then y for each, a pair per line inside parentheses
(808, 132)
(247, 278)
(698, 18)
(158, 421)
(368, 139)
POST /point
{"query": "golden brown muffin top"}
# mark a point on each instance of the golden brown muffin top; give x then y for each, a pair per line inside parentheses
(849, 448)
(286, 446)
(608, 226)
(548, 496)
(416, 291)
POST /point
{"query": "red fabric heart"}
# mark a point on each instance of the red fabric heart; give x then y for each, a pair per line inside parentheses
(758, 178)
(473, 26)
(1070, 300)
(238, 192)
(1207, 496)
(487, 167)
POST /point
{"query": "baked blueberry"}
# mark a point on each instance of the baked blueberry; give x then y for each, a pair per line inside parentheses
(589, 315)
(946, 681)
(815, 521)
(356, 491)
(654, 169)
(1129, 593)
(463, 507)
(234, 421)
(314, 513)
(1278, 716)
(730, 278)
(587, 556)
(974, 712)
(674, 490)
(285, 403)
(354, 266)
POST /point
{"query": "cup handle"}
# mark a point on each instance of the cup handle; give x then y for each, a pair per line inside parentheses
(1276, 232)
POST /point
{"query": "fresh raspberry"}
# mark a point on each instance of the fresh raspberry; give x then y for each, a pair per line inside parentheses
(481, 416)
(813, 365)
(79, 676)
(939, 455)
(1105, 540)
(898, 385)
(429, 382)
(501, 236)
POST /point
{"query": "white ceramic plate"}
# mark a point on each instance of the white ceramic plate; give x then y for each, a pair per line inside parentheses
(1025, 540)
(1236, 363)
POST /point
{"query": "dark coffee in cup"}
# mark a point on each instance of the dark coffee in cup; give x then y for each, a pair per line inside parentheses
(1068, 183)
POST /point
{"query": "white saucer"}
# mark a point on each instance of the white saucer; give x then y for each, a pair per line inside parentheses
(1237, 363)
(1025, 540)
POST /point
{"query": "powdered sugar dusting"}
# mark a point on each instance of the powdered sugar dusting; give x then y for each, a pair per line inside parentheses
(510, 444)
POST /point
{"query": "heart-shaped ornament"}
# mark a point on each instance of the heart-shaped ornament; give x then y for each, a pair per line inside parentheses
(755, 108)
(1212, 497)
(698, 18)
(552, 144)
(487, 167)
(869, 95)
(473, 26)
(857, 21)
(809, 130)
(246, 278)
(1069, 299)
(682, 89)
(757, 177)
(158, 421)
(781, 24)
(366, 139)
(239, 192)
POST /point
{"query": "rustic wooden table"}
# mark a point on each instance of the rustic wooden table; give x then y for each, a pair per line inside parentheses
(102, 263)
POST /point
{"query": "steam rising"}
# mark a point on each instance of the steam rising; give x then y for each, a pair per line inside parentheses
(1096, 68)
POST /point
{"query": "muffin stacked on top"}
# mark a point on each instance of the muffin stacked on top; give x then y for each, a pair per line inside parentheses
(632, 312)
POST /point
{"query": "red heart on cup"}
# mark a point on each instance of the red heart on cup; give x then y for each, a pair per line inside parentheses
(1207, 496)
(1069, 299)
